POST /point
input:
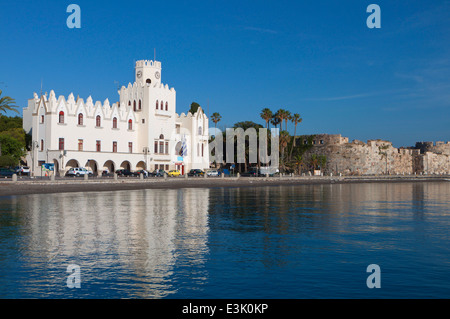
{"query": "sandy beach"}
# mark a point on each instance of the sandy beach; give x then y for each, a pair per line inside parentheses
(39, 186)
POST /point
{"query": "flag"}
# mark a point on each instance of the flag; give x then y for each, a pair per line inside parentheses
(183, 146)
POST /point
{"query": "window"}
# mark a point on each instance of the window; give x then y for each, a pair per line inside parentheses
(321, 142)
(161, 147)
(167, 166)
(61, 144)
(61, 117)
(167, 148)
(156, 147)
(198, 149)
(157, 104)
(98, 121)
(203, 146)
(42, 145)
(200, 131)
(148, 81)
(80, 119)
(162, 105)
(178, 128)
(130, 124)
(161, 137)
(130, 147)
(167, 106)
(115, 122)
(140, 105)
(129, 103)
(114, 147)
(98, 146)
(134, 105)
(80, 145)
(143, 121)
(42, 119)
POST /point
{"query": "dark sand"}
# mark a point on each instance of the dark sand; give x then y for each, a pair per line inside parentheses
(27, 186)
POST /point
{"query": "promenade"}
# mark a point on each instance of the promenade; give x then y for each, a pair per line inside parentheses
(26, 186)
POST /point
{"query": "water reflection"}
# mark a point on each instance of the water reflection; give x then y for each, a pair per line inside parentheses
(126, 242)
(244, 242)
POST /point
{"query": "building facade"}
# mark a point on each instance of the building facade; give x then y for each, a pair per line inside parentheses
(140, 131)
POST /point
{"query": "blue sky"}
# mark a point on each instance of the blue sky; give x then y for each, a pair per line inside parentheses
(315, 58)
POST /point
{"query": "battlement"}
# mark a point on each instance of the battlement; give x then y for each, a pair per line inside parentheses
(148, 63)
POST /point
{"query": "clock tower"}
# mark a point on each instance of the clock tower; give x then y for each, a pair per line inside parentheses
(148, 71)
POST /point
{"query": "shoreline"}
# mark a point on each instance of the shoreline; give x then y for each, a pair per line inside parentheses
(27, 187)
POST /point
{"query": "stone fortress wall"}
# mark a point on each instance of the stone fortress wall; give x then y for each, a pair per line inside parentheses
(378, 157)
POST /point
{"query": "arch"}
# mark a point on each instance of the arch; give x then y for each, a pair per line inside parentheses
(72, 163)
(161, 137)
(130, 124)
(110, 166)
(92, 164)
(141, 165)
(98, 121)
(80, 118)
(125, 165)
(61, 117)
(114, 122)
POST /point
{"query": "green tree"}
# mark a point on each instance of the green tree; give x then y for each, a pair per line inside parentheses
(216, 117)
(7, 104)
(194, 107)
(276, 119)
(11, 148)
(296, 119)
(266, 115)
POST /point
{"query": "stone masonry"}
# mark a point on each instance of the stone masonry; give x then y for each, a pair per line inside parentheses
(378, 157)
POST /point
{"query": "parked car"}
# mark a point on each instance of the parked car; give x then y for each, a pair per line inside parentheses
(22, 170)
(212, 172)
(125, 172)
(252, 172)
(174, 173)
(7, 172)
(196, 172)
(78, 171)
(158, 173)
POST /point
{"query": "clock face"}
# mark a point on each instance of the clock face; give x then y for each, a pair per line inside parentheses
(157, 75)
(139, 74)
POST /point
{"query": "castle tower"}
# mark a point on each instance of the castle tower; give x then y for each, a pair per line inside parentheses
(148, 71)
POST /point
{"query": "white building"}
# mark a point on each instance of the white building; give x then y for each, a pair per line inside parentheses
(141, 131)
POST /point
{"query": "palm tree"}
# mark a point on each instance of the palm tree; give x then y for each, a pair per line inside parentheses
(298, 160)
(275, 120)
(284, 140)
(286, 117)
(215, 117)
(266, 115)
(296, 119)
(6, 104)
(279, 115)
